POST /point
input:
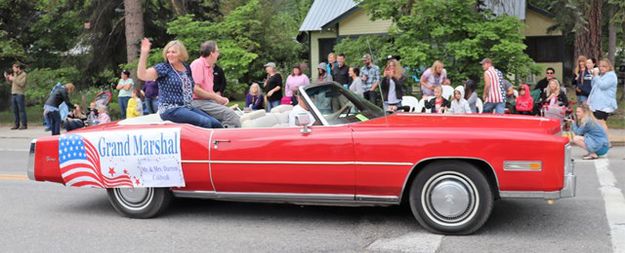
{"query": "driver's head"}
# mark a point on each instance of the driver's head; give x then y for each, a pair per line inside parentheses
(300, 100)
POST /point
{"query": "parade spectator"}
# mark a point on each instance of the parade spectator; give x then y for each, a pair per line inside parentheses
(175, 83)
(150, 90)
(433, 77)
(204, 96)
(323, 75)
(293, 82)
(437, 103)
(300, 109)
(331, 63)
(135, 105)
(92, 114)
(458, 103)
(75, 119)
(470, 95)
(554, 96)
(125, 87)
(589, 135)
(273, 86)
(51, 107)
(494, 94)
(219, 80)
(340, 71)
(392, 85)
(103, 115)
(602, 98)
(254, 98)
(370, 75)
(550, 74)
(356, 85)
(524, 102)
(591, 64)
(17, 79)
(583, 79)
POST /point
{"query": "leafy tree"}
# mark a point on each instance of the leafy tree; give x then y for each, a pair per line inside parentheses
(455, 32)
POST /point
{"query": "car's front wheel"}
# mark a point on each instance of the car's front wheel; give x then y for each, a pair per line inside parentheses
(451, 197)
(140, 203)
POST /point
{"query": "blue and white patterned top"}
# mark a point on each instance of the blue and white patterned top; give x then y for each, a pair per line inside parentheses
(175, 88)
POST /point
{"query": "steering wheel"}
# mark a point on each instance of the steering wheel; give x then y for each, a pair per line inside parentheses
(347, 107)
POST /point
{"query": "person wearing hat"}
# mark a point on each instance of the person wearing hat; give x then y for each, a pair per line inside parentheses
(324, 76)
(125, 87)
(370, 75)
(273, 86)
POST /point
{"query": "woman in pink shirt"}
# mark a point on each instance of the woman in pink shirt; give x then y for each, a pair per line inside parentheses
(293, 82)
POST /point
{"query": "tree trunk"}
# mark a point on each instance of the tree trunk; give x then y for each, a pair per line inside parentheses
(133, 16)
(611, 35)
(588, 39)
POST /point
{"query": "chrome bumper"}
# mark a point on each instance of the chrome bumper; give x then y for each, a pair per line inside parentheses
(568, 190)
(30, 170)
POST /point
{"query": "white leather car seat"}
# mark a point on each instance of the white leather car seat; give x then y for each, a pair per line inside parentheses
(154, 118)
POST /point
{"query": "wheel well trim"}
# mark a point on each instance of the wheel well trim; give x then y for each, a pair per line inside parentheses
(412, 174)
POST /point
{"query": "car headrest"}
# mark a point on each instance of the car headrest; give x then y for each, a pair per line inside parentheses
(281, 108)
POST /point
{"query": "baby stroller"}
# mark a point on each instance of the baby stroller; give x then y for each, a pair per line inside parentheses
(103, 98)
(559, 112)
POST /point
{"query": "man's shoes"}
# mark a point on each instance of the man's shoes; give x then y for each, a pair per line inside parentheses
(23, 128)
(13, 128)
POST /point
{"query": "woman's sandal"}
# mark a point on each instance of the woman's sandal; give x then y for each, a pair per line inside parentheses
(590, 157)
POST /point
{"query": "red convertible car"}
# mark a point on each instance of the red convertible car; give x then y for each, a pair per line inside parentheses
(449, 169)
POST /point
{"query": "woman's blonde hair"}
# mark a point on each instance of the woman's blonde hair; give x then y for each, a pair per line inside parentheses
(258, 90)
(438, 64)
(549, 88)
(70, 87)
(399, 71)
(588, 115)
(583, 59)
(182, 50)
(608, 62)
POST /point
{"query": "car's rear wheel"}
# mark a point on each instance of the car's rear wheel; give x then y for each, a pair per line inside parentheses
(451, 197)
(141, 203)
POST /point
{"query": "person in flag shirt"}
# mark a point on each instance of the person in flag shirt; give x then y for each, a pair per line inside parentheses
(494, 95)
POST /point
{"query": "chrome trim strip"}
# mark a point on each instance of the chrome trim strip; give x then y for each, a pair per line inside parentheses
(403, 188)
(195, 161)
(308, 163)
(529, 194)
(30, 169)
(522, 166)
(318, 198)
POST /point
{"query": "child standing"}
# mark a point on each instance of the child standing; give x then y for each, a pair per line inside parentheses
(135, 106)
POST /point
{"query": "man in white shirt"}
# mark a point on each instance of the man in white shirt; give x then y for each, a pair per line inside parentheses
(300, 109)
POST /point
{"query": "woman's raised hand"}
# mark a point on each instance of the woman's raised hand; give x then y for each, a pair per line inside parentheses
(145, 45)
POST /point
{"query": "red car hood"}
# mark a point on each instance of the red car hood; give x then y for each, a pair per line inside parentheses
(474, 121)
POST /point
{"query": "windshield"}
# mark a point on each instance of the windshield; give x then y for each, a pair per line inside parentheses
(338, 105)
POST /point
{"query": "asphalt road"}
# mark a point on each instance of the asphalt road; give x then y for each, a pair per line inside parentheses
(37, 217)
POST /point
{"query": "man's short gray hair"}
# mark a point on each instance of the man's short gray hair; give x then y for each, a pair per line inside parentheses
(207, 48)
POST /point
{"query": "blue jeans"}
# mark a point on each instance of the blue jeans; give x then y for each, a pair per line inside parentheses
(498, 107)
(272, 104)
(151, 104)
(123, 104)
(19, 109)
(54, 122)
(190, 115)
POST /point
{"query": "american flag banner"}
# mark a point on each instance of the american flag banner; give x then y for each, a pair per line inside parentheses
(80, 165)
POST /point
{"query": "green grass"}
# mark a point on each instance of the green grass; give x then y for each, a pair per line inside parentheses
(34, 114)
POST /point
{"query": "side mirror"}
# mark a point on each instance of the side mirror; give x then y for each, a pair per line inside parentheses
(303, 120)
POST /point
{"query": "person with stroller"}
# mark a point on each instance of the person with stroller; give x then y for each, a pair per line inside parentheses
(51, 108)
(589, 134)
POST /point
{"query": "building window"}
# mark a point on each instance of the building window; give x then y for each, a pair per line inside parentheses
(545, 48)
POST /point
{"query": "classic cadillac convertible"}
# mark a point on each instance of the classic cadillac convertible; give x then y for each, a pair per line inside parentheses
(449, 169)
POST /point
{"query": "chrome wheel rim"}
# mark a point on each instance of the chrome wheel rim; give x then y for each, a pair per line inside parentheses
(134, 198)
(450, 199)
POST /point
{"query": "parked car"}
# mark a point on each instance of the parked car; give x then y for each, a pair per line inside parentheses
(450, 169)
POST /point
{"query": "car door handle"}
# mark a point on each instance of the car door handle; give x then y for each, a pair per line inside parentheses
(216, 143)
